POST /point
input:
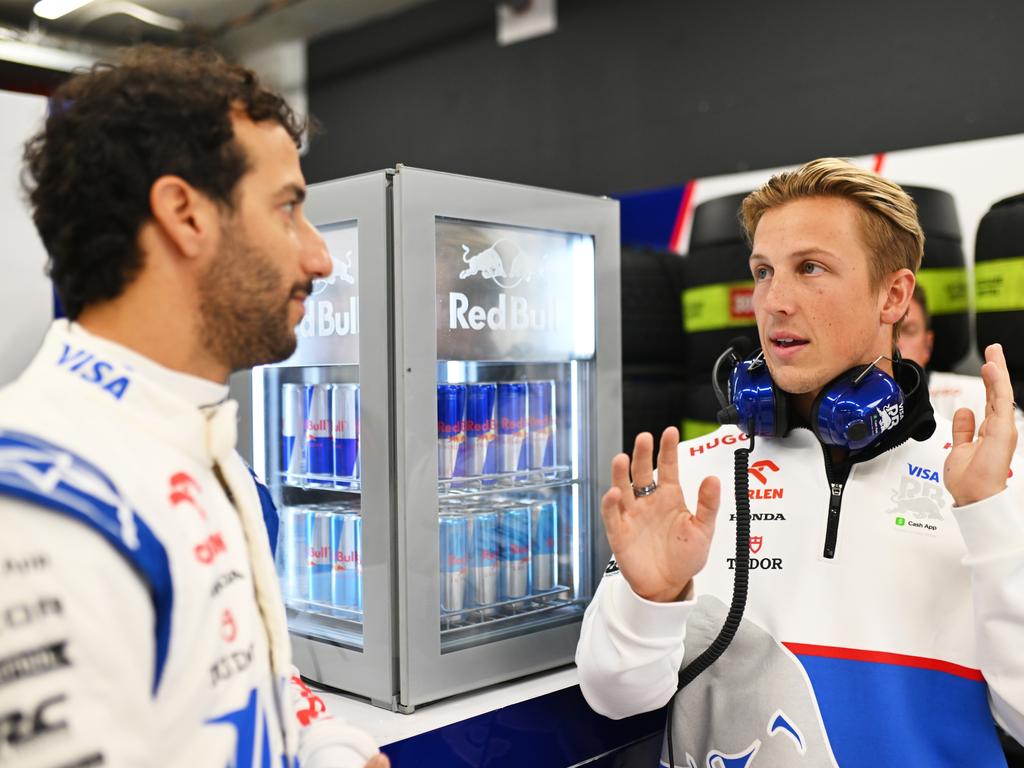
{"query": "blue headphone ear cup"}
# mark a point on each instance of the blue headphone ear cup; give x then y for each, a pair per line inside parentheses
(761, 407)
(854, 416)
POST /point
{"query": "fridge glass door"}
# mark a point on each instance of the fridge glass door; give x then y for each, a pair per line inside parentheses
(514, 387)
(312, 419)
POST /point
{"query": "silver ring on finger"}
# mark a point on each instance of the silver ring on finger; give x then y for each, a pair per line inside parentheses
(644, 490)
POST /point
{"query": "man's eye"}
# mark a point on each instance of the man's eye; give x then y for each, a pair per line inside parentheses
(761, 273)
(810, 268)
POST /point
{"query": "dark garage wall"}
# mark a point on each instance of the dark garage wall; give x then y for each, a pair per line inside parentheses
(639, 94)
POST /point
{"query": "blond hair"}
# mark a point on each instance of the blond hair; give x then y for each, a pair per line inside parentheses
(889, 221)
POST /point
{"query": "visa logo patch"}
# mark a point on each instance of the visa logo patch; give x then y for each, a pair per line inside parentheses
(93, 370)
(923, 472)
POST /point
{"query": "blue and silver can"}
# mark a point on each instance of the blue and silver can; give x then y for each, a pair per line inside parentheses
(454, 530)
(319, 451)
(292, 552)
(514, 551)
(543, 554)
(345, 430)
(541, 418)
(481, 429)
(346, 541)
(511, 426)
(293, 430)
(566, 533)
(451, 416)
(320, 555)
(483, 558)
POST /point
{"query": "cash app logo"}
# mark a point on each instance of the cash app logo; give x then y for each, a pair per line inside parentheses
(901, 521)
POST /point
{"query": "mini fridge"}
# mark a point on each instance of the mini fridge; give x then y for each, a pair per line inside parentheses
(439, 442)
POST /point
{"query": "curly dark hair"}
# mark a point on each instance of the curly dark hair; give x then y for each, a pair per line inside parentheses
(111, 133)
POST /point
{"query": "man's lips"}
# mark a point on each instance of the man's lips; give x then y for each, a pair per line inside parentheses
(786, 344)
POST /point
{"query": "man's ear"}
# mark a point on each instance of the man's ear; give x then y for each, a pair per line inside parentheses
(899, 290)
(929, 341)
(184, 216)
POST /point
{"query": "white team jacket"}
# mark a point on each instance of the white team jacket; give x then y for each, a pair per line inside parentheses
(896, 651)
(140, 618)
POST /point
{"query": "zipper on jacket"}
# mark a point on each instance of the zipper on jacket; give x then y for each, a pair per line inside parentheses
(837, 477)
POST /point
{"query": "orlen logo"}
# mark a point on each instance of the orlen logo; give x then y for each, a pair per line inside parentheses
(507, 265)
(760, 470)
(183, 490)
(741, 303)
(322, 318)
(92, 370)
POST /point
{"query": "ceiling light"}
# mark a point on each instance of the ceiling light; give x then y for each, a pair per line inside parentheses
(54, 9)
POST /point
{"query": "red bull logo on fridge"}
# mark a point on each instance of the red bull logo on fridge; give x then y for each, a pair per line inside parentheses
(322, 318)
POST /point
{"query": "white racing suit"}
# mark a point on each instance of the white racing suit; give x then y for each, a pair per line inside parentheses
(896, 650)
(140, 618)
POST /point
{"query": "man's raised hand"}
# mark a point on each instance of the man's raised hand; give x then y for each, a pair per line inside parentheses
(658, 544)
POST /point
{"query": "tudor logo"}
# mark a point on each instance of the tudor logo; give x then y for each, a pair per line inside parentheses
(505, 263)
(757, 469)
(755, 544)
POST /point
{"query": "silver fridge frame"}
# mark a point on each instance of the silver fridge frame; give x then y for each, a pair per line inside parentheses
(419, 196)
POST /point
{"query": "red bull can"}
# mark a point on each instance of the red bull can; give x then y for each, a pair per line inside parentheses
(483, 558)
(541, 421)
(320, 555)
(451, 415)
(293, 430)
(514, 551)
(454, 531)
(345, 430)
(566, 528)
(346, 541)
(481, 430)
(319, 451)
(543, 551)
(292, 552)
(511, 414)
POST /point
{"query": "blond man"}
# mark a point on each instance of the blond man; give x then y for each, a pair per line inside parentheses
(886, 579)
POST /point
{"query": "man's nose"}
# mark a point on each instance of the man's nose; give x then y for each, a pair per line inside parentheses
(776, 295)
(315, 256)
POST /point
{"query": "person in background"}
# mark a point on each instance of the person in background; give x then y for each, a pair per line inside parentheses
(140, 618)
(884, 618)
(947, 391)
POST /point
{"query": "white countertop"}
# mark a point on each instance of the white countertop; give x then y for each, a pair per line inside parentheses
(388, 727)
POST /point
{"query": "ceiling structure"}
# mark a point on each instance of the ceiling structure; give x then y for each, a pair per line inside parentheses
(232, 25)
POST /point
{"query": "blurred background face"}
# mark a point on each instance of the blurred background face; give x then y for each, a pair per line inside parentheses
(817, 312)
(916, 340)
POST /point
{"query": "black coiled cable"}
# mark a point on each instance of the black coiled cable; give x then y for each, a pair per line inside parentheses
(741, 580)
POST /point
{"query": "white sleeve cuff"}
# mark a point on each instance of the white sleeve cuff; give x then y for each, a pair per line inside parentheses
(646, 618)
(992, 528)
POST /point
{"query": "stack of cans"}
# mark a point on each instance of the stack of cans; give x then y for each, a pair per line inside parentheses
(320, 555)
(320, 433)
(486, 429)
(509, 551)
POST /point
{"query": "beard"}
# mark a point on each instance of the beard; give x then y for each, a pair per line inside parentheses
(244, 310)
